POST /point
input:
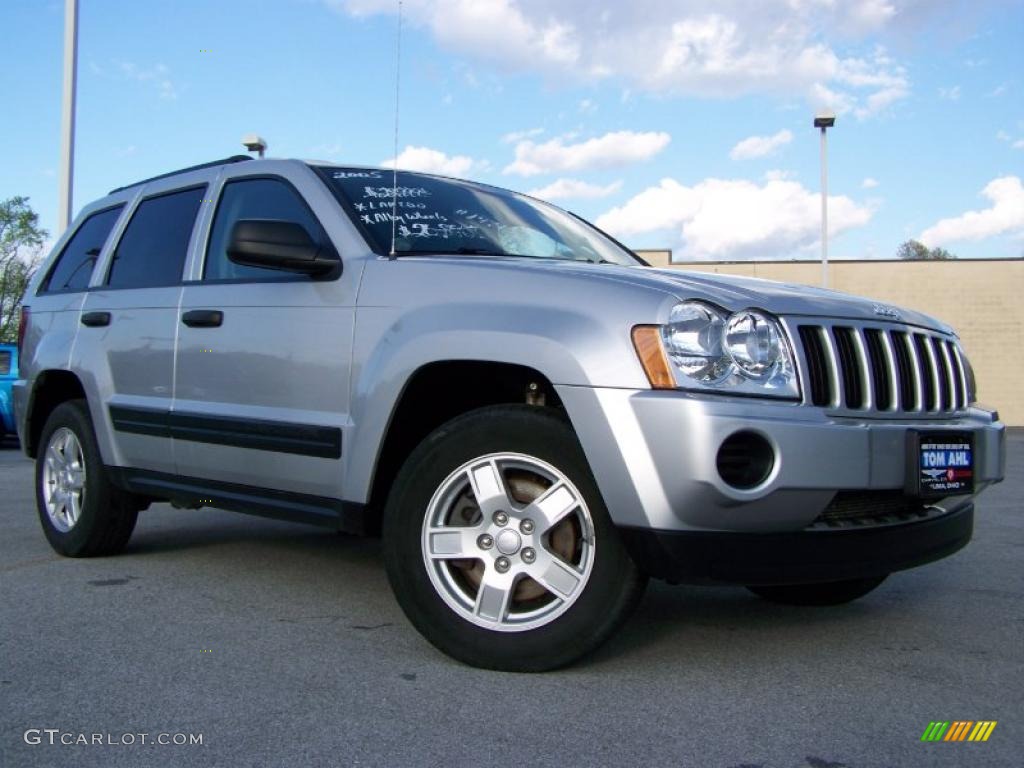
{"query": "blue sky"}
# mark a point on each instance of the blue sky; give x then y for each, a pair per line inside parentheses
(672, 124)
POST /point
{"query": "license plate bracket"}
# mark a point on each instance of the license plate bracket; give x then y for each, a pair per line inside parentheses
(939, 463)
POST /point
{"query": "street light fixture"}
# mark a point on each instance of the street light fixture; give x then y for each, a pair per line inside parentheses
(824, 120)
(254, 143)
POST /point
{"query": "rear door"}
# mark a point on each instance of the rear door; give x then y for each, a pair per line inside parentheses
(126, 341)
(262, 388)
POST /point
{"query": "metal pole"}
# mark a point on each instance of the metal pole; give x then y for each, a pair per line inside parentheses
(67, 125)
(824, 210)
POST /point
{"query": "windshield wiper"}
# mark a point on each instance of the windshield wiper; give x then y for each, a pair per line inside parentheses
(460, 251)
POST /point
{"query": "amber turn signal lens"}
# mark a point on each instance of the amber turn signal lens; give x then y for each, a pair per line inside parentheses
(647, 341)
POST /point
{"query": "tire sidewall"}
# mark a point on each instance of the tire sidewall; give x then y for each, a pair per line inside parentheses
(607, 595)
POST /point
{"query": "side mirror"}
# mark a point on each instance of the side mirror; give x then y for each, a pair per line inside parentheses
(284, 245)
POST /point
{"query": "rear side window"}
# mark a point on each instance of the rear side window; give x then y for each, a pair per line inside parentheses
(5, 362)
(253, 199)
(152, 249)
(73, 267)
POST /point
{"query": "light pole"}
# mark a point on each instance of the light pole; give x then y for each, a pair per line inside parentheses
(67, 123)
(824, 120)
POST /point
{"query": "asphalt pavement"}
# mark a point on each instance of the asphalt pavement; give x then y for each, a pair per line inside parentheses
(281, 645)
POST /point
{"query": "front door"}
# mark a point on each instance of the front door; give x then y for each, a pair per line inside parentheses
(262, 368)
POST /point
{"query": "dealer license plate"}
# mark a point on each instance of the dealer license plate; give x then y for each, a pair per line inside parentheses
(944, 463)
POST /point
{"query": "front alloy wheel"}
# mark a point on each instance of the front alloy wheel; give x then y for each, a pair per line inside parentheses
(499, 547)
(508, 542)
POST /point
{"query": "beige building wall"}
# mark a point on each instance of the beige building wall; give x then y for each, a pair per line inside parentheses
(982, 300)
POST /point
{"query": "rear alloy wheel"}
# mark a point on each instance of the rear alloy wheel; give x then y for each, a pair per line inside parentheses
(499, 547)
(82, 513)
(827, 593)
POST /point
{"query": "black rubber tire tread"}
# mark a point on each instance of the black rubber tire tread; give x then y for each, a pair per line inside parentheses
(612, 592)
(823, 594)
(108, 514)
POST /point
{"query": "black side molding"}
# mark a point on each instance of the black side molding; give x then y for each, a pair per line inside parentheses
(257, 434)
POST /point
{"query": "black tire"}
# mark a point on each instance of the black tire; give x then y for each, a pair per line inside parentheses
(828, 593)
(107, 514)
(603, 601)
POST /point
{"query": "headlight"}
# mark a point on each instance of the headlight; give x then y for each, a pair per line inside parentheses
(706, 348)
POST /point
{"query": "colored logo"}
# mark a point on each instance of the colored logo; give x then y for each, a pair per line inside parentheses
(959, 730)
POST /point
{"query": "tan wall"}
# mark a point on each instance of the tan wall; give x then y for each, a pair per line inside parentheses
(982, 300)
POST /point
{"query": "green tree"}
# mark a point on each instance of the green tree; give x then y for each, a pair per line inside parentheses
(21, 248)
(912, 250)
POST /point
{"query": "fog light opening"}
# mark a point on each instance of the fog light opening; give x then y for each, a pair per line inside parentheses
(745, 460)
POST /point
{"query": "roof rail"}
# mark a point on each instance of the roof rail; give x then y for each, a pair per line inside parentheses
(211, 164)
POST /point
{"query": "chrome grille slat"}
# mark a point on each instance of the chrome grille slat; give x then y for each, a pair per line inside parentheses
(882, 369)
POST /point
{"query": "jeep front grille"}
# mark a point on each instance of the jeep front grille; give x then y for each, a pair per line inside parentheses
(894, 370)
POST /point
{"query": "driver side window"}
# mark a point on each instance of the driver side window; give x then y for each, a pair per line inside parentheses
(260, 198)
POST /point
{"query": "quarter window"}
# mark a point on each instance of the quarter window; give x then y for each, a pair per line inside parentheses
(73, 268)
(152, 250)
(253, 199)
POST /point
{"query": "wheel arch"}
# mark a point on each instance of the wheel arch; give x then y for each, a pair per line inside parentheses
(439, 391)
(51, 388)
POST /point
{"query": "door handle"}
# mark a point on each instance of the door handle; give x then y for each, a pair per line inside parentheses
(203, 318)
(95, 319)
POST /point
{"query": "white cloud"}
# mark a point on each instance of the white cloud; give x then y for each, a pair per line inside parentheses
(1006, 214)
(760, 146)
(430, 160)
(724, 49)
(777, 174)
(587, 106)
(869, 183)
(574, 188)
(609, 151)
(158, 76)
(330, 150)
(950, 94)
(1018, 144)
(734, 218)
(514, 136)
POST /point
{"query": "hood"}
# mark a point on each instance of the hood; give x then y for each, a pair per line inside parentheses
(733, 292)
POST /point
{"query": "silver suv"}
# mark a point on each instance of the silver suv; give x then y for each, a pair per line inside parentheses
(534, 420)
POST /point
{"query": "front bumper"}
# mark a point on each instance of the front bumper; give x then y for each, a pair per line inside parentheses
(798, 557)
(653, 455)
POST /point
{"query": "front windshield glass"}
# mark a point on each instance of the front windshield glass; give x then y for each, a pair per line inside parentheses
(434, 215)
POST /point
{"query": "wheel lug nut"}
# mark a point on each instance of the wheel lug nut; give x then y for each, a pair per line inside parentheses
(500, 518)
(526, 526)
(486, 541)
(502, 564)
(529, 555)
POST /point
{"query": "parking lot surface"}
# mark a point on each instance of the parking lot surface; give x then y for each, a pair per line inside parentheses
(282, 645)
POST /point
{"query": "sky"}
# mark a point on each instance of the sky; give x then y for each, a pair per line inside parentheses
(670, 124)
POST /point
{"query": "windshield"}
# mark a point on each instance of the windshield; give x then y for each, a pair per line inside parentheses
(439, 215)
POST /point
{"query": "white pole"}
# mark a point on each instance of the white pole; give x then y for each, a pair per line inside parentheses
(824, 210)
(67, 124)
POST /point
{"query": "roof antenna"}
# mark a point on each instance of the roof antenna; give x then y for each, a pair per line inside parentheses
(394, 167)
